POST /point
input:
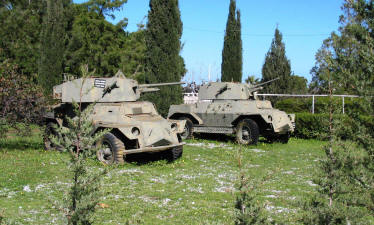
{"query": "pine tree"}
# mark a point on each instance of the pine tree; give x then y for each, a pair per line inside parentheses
(52, 47)
(346, 179)
(20, 26)
(232, 53)
(96, 42)
(276, 65)
(248, 210)
(77, 140)
(104, 7)
(163, 46)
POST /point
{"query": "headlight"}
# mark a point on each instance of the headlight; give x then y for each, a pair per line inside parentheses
(135, 131)
(174, 127)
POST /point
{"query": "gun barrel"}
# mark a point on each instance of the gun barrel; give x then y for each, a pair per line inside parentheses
(160, 84)
(261, 84)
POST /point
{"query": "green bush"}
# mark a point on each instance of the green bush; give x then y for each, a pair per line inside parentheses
(294, 105)
(316, 126)
(311, 125)
(303, 105)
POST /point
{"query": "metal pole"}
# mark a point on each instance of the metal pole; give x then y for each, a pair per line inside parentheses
(313, 104)
(343, 104)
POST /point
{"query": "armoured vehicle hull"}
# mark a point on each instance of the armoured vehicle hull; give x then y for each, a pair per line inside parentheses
(232, 108)
(134, 126)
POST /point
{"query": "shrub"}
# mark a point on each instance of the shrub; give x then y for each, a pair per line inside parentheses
(303, 105)
(21, 100)
(316, 126)
(248, 210)
(293, 105)
(77, 139)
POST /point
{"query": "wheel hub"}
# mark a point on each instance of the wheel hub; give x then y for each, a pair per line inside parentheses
(105, 153)
(246, 133)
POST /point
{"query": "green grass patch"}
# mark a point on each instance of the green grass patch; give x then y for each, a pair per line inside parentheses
(199, 188)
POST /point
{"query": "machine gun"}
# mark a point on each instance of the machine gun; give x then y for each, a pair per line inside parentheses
(229, 90)
(259, 86)
(150, 87)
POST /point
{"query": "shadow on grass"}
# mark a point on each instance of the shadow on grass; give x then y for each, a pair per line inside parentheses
(216, 137)
(223, 138)
(145, 158)
(19, 144)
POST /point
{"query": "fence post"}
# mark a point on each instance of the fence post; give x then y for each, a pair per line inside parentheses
(343, 103)
(313, 104)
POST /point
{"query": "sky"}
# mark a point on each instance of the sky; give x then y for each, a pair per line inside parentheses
(303, 23)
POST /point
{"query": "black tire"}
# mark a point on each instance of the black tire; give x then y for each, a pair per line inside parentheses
(174, 153)
(247, 132)
(110, 150)
(50, 130)
(188, 129)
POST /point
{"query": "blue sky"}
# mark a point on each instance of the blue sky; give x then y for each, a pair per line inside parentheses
(304, 24)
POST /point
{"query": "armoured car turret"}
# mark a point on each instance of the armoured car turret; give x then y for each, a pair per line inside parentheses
(135, 126)
(234, 108)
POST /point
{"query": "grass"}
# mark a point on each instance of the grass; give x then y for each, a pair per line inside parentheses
(197, 189)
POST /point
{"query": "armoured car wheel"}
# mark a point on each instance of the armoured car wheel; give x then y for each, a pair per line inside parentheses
(247, 132)
(49, 130)
(188, 129)
(174, 153)
(110, 150)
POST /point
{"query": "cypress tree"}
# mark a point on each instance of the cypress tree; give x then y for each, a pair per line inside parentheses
(52, 44)
(276, 65)
(232, 59)
(163, 62)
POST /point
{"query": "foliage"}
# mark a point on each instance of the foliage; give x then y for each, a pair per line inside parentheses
(104, 7)
(94, 41)
(315, 126)
(163, 46)
(295, 105)
(346, 55)
(248, 209)
(52, 40)
(297, 85)
(78, 141)
(311, 126)
(299, 105)
(345, 64)
(133, 56)
(20, 26)
(252, 80)
(21, 100)
(277, 65)
(232, 53)
(36, 37)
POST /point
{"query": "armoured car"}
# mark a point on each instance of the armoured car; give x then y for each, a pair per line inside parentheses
(234, 108)
(135, 126)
